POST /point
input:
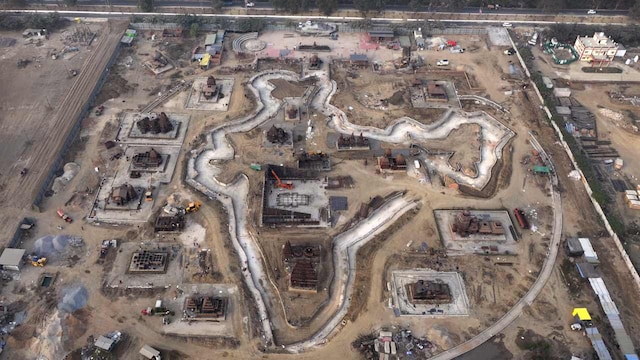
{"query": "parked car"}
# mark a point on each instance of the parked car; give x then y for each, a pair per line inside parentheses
(507, 24)
(443, 62)
(249, 4)
(591, 12)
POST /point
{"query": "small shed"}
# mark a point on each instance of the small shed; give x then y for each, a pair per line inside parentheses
(582, 314)
(105, 343)
(150, 353)
(210, 39)
(589, 254)
(11, 259)
(359, 59)
(381, 35)
(574, 248)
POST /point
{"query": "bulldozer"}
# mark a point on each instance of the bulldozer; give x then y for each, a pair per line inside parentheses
(37, 261)
(193, 207)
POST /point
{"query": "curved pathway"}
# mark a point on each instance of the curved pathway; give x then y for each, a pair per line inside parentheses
(534, 291)
(203, 169)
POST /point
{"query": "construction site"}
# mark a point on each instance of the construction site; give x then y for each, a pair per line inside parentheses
(285, 192)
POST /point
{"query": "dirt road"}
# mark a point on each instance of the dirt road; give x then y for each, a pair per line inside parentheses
(527, 300)
(20, 192)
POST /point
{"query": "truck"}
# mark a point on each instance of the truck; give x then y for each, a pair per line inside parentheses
(158, 309)
(256, 167)
(64, 216)
(522, 219)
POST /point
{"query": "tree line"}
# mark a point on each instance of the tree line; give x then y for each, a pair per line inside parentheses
(371, 6)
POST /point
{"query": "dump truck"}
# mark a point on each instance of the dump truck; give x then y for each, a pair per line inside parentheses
(64, 216)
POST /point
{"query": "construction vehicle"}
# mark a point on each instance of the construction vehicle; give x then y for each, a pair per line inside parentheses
(159, 309)
(193, 207)
(64, 216)
(256, 167)
(99, 110)
(37, 261)
(24, 171)
(279, 183)
(148, 195)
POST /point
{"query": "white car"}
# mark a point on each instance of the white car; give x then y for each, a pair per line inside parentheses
(443, 62)
(507, 24)
(591, 12)
(249, 4)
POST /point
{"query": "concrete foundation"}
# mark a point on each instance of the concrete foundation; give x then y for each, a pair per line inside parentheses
(459, 305)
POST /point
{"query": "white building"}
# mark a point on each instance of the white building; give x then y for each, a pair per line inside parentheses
(597, 49)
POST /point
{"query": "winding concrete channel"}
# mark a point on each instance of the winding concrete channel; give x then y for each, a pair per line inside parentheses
(203, 168)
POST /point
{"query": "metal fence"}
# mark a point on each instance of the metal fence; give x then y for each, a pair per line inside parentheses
(57, 164)
(458, 31)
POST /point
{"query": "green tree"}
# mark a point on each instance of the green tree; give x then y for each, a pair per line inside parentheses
(634, 12)
(217, 4)
(145, 5)
(250, 24)
(327, 6)
(70, 2)
(366, 6)
(292, 6)
(456, 4)
(193, 30)
(17, 3)
(551, 6)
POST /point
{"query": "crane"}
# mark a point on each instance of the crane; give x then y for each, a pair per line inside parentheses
(280, 184)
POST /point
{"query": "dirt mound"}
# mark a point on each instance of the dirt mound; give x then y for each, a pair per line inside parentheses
(397, 98)
(115, 86)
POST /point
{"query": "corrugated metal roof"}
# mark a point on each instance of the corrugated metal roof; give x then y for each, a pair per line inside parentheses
(598, 344)
(104, 343)
(149, 352)
(358, 57)
(587, 248)
(11, 257)
(210, 39)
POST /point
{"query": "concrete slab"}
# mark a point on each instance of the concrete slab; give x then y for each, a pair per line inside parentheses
(196, 101)
(129, 134)
(222, 328)
(308, 196)
(458, 307)
(119, 277)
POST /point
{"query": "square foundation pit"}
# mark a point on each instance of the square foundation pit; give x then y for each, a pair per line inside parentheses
(165, 266)
(130, 134)
(196, 100)
(477, 243)
(162, 173)
(401, 279)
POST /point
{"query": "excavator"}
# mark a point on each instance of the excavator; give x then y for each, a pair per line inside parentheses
(37, 261)
(280, 184)
(193, 207)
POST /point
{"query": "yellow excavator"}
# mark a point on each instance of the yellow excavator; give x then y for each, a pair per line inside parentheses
(38, 261)
(193, 207)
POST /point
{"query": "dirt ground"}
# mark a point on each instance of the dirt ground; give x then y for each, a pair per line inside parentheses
(491, 288)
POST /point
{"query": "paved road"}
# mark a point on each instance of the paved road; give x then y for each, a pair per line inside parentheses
(267, 5)
(461, 22)
(534, 291)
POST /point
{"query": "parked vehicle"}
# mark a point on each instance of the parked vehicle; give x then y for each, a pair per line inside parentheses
(591, 12)
(507, 24)
(443, 62)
